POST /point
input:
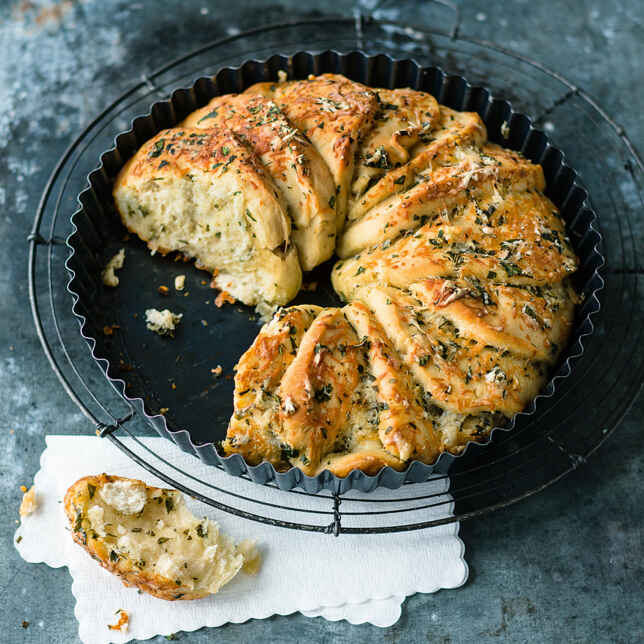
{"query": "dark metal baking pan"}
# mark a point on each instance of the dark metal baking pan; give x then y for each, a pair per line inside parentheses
(175, 376)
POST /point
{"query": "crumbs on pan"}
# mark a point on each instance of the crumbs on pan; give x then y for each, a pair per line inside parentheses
(109, 329)
(109, 272)
(217, 371)
(223, 297)
(162, 322)
(179, 282)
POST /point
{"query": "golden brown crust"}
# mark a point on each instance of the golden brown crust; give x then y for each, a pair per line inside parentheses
(519, 240)
(335, 113)
(251, 431)
(405, 119)
(404, 427)
(483, 174)
(368, 459)
(443, 145)
(318, 388)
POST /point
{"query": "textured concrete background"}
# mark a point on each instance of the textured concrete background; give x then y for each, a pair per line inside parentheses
(563, 566)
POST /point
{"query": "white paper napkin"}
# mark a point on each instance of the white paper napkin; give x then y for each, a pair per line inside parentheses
(359, 578)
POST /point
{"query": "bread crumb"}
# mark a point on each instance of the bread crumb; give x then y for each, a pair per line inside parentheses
(224, 297)
(162, 322)
(174, 386)
(204, 323)
(25, 623)
(252, 556)
(109, 275)
(179, 282)
(282, 76)
(109, 329)
(29, 502)
(164, 410)
(265, 311)
(122, 624)
(163, 290)
(217, 371)
(505, 130)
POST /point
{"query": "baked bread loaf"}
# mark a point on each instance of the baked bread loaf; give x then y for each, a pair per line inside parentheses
(149, 538)
(453, 263)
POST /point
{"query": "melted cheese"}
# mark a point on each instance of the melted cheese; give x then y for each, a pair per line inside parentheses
(159, 535)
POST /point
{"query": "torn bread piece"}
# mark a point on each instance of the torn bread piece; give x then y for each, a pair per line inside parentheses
(108, 276)
(150, 539)
(29, 503)
(162, 322)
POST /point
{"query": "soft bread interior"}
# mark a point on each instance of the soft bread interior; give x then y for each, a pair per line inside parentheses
(150, 538)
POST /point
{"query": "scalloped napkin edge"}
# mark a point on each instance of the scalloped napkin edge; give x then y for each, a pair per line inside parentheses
(358, 578)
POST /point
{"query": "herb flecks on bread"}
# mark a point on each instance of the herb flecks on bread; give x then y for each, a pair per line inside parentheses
(149, 538)
(454, 265)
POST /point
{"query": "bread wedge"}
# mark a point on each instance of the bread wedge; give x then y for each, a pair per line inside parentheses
(295, 166)
(205, 194)
(148, 537)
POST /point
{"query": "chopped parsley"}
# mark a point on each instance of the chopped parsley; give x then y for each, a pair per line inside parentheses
(158, 149)
(210, 115)
(323, 393)
(201, 532)
(511, 269)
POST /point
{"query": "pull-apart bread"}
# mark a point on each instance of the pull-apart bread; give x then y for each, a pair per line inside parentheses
(454, 265)
(149, 538)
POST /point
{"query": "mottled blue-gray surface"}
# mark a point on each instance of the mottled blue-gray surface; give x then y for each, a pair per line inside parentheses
(563, 566)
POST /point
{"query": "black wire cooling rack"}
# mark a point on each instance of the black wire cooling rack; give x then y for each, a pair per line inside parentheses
(556, 440)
